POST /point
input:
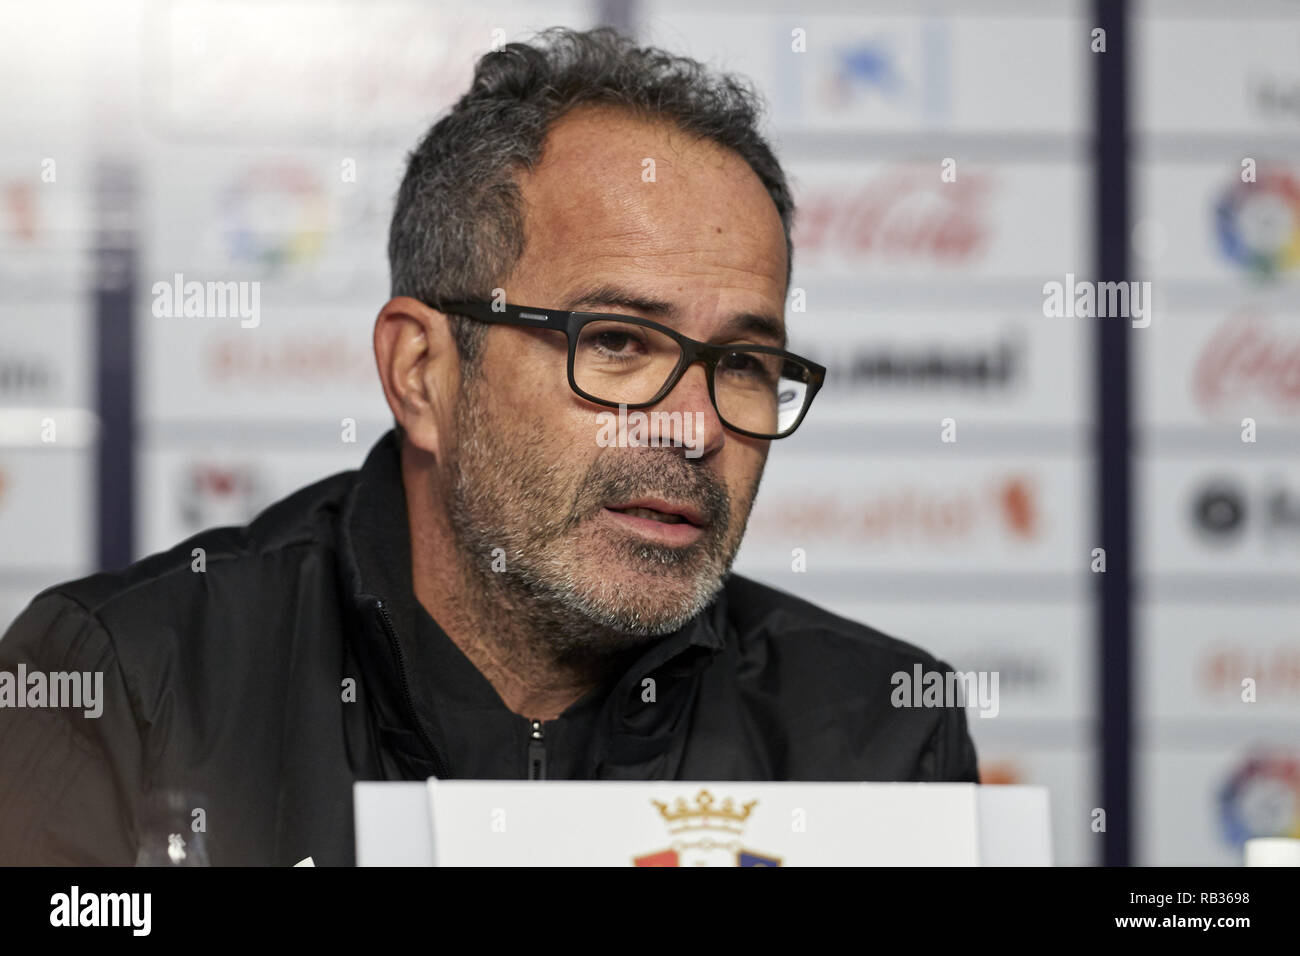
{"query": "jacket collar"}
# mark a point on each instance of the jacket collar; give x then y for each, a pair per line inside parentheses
(375, 562)
(376, 537)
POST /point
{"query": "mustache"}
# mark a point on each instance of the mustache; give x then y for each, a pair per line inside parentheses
(652, 474)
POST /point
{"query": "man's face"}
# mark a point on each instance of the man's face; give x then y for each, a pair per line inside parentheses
(529, 471)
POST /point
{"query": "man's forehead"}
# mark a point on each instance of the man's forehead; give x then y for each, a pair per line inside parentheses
(614, 192)
(603, 171)
(591, 137)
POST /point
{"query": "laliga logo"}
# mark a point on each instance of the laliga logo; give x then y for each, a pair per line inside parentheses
(705, 835)
(1261, 799)
(274, 216)
(1258, 224)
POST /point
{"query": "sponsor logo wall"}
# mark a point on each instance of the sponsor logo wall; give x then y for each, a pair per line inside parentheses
(1217, 519)
(269, 178)
(47, 214)
(924, 300)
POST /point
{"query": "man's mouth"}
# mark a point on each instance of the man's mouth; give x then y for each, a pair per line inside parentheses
(652, 515)
(658, 521)
(664, 512)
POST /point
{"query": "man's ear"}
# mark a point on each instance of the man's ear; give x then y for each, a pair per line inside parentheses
(419, 368)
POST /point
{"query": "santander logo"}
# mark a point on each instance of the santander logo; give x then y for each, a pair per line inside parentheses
(1247, 358)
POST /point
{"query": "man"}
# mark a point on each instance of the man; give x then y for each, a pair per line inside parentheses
(517, 583)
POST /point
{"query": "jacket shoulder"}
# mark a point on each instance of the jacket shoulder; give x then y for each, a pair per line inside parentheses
(830, 683)
(762, 613)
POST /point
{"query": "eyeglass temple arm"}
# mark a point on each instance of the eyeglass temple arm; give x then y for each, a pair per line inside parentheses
(510, 315)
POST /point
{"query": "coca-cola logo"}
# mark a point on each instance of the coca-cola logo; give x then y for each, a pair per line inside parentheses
(1247, 358)
(905, 214)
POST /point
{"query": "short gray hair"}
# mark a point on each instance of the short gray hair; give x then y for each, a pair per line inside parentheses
(458, 226)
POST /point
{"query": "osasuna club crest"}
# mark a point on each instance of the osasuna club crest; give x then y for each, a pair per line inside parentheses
(705, 833)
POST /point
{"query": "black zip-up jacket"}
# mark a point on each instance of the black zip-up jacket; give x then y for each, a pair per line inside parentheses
(276, 676)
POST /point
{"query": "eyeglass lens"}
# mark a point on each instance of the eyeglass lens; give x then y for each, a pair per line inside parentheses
(625, 363)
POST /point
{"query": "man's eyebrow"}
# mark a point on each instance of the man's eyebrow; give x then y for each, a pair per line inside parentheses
(605, 296)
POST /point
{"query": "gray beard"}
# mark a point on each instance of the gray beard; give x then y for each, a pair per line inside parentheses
(512, 510)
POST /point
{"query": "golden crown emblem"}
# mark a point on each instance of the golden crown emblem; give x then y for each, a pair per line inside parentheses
(705, 814)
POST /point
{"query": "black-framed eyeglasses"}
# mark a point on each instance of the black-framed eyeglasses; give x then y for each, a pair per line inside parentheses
(623, 360)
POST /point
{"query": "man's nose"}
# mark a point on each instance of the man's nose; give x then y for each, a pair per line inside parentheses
(690, 416)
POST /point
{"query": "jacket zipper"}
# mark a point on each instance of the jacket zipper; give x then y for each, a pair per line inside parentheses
(439, 768)
(537, 752)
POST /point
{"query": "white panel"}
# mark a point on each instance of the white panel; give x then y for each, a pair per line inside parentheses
(1216, 368)
(294, 70)
(854, 512)
(888, 73)
(1201, 222)
(298, 365)
(45, 509)
(1042, 653)
(1068, 773)
(1228, 514)
(1198, 805)
(45, 359)
(1195, 660)
(864, 221)
(286, 218)
(187, 490)
(893, 366)
(1226, 75)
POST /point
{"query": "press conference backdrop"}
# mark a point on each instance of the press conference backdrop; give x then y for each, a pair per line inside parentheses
(263, 143)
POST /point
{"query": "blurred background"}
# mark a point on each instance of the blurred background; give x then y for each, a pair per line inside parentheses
(263, 141)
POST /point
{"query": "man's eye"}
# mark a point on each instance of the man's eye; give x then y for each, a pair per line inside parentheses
(742, 364)
(613, 341)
